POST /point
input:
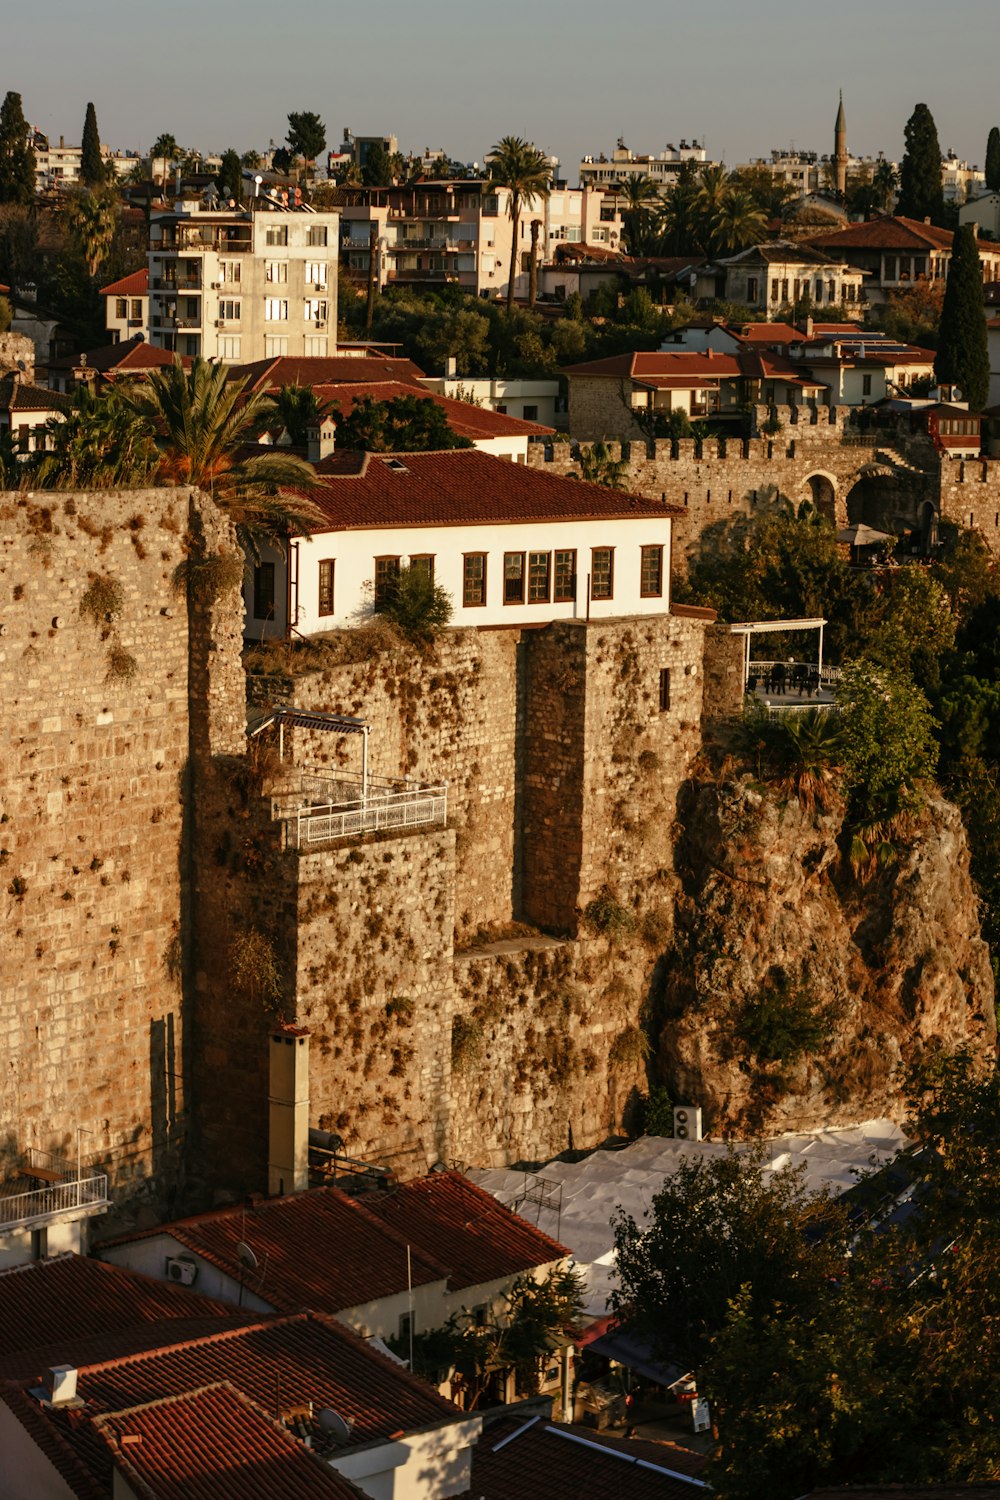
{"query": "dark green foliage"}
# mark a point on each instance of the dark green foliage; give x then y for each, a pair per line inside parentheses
(963, 357)
(306, 134)
(784, 1022)
(415, 604)
(920, 192)
(230, 178)
(992, 168)
(92, 172)
(606, 915)
(889, 744)
(408, 424)
(17, 157)
(377, 170)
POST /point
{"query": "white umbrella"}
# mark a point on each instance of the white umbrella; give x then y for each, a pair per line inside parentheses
(861, 535)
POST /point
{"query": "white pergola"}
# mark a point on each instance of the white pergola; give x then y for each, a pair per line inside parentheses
(303, 718)
(749, 628)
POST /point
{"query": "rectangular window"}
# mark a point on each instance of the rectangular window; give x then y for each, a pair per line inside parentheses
(530, 413)
(231, 271)
(276, 234)
(775, 291)
(229, 310)
(316, 273)
(326, 587)
(513, 578)
(121, 307)
(784, 289)
(137, 308)
(831, 291)
(263, 591)
(316, 235)
(664, 689)
(538, 577)
(314, 310)
(230, 347)
(386, 573)
(276, 271)
(866, 385)
(316, 345)
(474, 579)
(565, 577)
(275, 310)
(422, 565)
(751, 289)
(602, 573)
(274, 347)
(651, 573)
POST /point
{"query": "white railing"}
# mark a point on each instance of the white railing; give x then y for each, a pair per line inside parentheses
(828, 676)
(389, 806)
(70, 1195)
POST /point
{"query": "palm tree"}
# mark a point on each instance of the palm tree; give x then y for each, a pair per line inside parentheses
(738, 221)
(165, 146)
(713, 185)
(885, 181)
(296, 408)
(524, 170)
(92, 219)
(202, 425)
(642, 198)
(97, 444)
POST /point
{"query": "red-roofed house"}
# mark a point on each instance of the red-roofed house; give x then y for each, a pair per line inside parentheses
(534, 1459)
(896, 252)
(126, 306)
(489, 431)
(112, 362)
(25, 409)
(511, 545)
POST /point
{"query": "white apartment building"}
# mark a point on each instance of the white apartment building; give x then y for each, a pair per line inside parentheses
(238, 285)
(610, 171)
(59, 166)
(460, 232)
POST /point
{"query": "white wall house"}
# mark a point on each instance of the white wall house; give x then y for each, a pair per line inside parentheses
(126, 307)
(530, 400)
(512, 546)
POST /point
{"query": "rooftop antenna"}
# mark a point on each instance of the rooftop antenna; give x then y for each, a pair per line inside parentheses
(247, 1261)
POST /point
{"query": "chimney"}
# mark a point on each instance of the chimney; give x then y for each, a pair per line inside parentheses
(288, 1121)
(321, 439)
(451, 367)
(62, 142)
(59, 1384)
(809, 326)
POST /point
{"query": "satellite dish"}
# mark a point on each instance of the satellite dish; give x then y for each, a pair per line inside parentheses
(258, 178)
(245, 1256)
(333, 1425)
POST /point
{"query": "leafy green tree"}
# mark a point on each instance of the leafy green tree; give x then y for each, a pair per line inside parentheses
(915, 626)
(165, 149)
(92, 173)
(98, 444)
(524, 170)
(921, 194)
(415, 604)
(885, 181)
(201, 424)
(963, 355)
(17, 156)
(738, 222)
(407, 424)
(306, 135)
(250, 160)
(377, 170)
(639, 211)
(889, 742)
(18, 244)
(230, 178)
(91, 219)
(992, 168)
(296, 408)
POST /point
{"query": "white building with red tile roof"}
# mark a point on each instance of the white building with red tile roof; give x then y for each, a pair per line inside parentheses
(512, 546)
(126, 306)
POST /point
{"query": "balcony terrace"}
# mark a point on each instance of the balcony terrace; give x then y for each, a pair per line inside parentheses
(46, 1190)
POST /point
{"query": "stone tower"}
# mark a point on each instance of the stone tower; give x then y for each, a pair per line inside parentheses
(840, 149)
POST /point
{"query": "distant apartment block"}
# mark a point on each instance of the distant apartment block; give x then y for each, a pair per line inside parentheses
(460, 232)
(243, 284)
(59, 166)
(611, 171)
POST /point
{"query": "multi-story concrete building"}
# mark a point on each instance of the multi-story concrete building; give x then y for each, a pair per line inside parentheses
(433, 233)
(243, 284)
(59, 166)
(611, 171)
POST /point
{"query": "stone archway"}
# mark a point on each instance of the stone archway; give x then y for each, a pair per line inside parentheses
(823, 494)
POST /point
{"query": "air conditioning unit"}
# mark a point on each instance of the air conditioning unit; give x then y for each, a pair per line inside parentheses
(216, 286)
(687, 1122)
(320, 323)
(181, 1270)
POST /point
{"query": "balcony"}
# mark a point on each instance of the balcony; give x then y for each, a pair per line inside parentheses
(323, 809)
(46, 1190)
(406, 275)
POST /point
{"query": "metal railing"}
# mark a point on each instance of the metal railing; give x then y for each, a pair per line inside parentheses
(828, 676)
(67, 1194)
(347, 812)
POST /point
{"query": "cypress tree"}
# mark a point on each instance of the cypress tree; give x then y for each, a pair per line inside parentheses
(92, 172)
(993, 160)
(230, 178)
(963, 357)
(17, 156)
(921, 195)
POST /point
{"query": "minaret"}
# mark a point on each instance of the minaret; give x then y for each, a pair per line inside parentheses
(840, 148)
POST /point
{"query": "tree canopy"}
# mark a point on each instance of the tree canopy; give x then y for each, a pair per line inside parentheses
(17, 156)
(230, 178)
(992, 167)
(306, 135)
(524, 170)
(408, 424)
(92, 173)
(377, 170)
(963, 354)
(921, 194)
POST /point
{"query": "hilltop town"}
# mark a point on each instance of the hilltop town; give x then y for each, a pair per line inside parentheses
(499, 818)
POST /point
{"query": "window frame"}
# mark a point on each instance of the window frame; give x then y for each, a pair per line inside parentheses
(262, 570)
(563, 598)
(602, 598)
(664, 694)
(547, 597)
(523, 580)
(468, 557)
(121, 308)
(423, 557)
(329, 563)
(647, 548)
(392, 571)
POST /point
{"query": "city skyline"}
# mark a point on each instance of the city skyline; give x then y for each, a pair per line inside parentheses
(574, 91)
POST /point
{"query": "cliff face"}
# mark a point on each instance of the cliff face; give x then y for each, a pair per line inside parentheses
(794, 995)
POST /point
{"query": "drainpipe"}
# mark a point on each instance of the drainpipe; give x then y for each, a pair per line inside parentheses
(364, 763)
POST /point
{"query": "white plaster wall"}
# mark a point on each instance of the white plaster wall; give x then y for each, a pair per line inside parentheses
(15, 1244)
(25, 1472)
(421, 1466)
(149, 1257)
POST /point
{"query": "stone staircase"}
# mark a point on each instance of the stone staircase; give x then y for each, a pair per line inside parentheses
(887, 455)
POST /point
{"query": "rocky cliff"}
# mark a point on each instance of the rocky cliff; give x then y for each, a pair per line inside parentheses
(795, 994)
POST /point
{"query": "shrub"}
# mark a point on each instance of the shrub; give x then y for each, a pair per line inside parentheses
(416, 605)
(784, 1022)
(466, 1043)
(630, 1046)
(658, 1112)
(606, 915)
(122, 665)
(208, 578)
(253, 969)
(888, 736)
(103, 600)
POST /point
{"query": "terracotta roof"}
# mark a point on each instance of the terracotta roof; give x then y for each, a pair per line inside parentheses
(54, 1441)
(215, 1444)
(465, 487)
(305, 1359)
(135, 285)
(21, 395)
(783, 252)
(896, 233)
(541, 1461)
(765, 333)
(464, 1228)
(463, 418)
(72, 1309)
(113, 359)
(657, 365)
(349, 369)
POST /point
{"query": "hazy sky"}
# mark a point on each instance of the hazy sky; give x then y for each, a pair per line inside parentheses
(743, 75)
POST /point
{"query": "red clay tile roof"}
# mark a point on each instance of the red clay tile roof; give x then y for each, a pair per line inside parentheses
(544, 1462)
(214, 1444)
(465, 487)
(71, 1309)
(467, 420)
(135, 285)
(896, 233)
(464, 1228)
(21, 395)
(272, 374)
(114, 359)
(52, 1439)
(644, 366)
(765, 333)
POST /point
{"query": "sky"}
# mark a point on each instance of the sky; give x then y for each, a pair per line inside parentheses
(744, 76)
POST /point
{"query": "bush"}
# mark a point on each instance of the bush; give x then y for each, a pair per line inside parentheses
(103, 600)
(122, 665)
(416, 605)
(658, 1112)
(466, 1043)
(784, 1022)
(253, 969)
(888, 736)
(210, 577)
(630, 1046)
(606, 915)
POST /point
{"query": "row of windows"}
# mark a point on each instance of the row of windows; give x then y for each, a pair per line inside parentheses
(277, 234)
(126, 307)
(314, 310)
(276, 271)
(779, 290)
